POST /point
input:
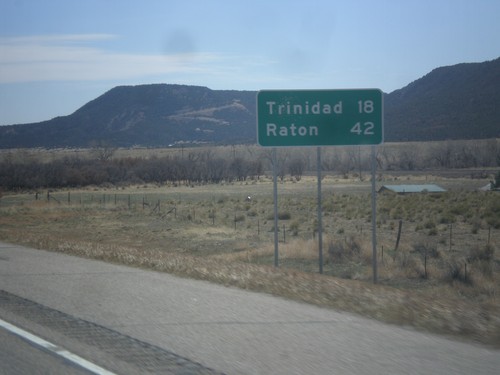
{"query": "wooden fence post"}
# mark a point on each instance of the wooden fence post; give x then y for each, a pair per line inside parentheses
(451, 235)
(425, 264)
(399, 233)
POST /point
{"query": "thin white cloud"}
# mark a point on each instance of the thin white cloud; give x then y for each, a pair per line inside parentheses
(54, 38)
(66, 58)
(83, 57)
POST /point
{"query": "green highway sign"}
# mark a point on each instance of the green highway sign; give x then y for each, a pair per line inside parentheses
(319, 117)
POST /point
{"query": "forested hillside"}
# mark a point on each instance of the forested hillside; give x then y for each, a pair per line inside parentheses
(454, 102)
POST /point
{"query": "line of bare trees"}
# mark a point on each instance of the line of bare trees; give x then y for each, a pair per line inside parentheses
(75, 172)
(20, 170)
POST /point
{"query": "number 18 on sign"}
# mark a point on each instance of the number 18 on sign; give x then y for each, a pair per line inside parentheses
(319, 117)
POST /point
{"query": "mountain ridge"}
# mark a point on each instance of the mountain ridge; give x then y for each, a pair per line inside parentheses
(454, 98)
(453, 102)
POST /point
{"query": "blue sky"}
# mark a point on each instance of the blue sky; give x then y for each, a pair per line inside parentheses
(56, 55)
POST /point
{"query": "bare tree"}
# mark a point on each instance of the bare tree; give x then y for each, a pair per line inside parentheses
(239, 169)
(281, 158)
(408, 159)
(102, 150)
(296, 167)
(356, 160)
(442, 155)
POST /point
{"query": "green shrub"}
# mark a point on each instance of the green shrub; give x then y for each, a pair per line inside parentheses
(350, 249)
(426, 249)
(294, 227)
(432, 232)
(252, 213)
(430, 224)
(281, 216)
(456, 270)
(476, 225)
(239, 218)
(447, 218)
(284, 215)
(493, 221)
(482, 253)
(459, 210)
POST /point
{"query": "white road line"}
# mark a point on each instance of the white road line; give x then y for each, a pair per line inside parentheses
(55, 349)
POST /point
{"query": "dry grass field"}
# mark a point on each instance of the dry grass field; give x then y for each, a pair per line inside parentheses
(443, 277)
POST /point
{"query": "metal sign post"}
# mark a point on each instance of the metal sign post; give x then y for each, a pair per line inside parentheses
(275, 199)
(374, 216)
(287, 118)
(320, 215)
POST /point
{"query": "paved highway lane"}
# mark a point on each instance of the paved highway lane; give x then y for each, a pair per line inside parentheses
(228, 330)
(17, 356)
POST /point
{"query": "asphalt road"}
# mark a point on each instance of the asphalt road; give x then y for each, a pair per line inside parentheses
(18, 356)
(124, 319)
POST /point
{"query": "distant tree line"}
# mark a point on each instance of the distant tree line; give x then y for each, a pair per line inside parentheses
(100, 166)
(77, 172)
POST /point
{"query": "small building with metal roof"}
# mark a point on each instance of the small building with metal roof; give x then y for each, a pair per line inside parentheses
(409, 189)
